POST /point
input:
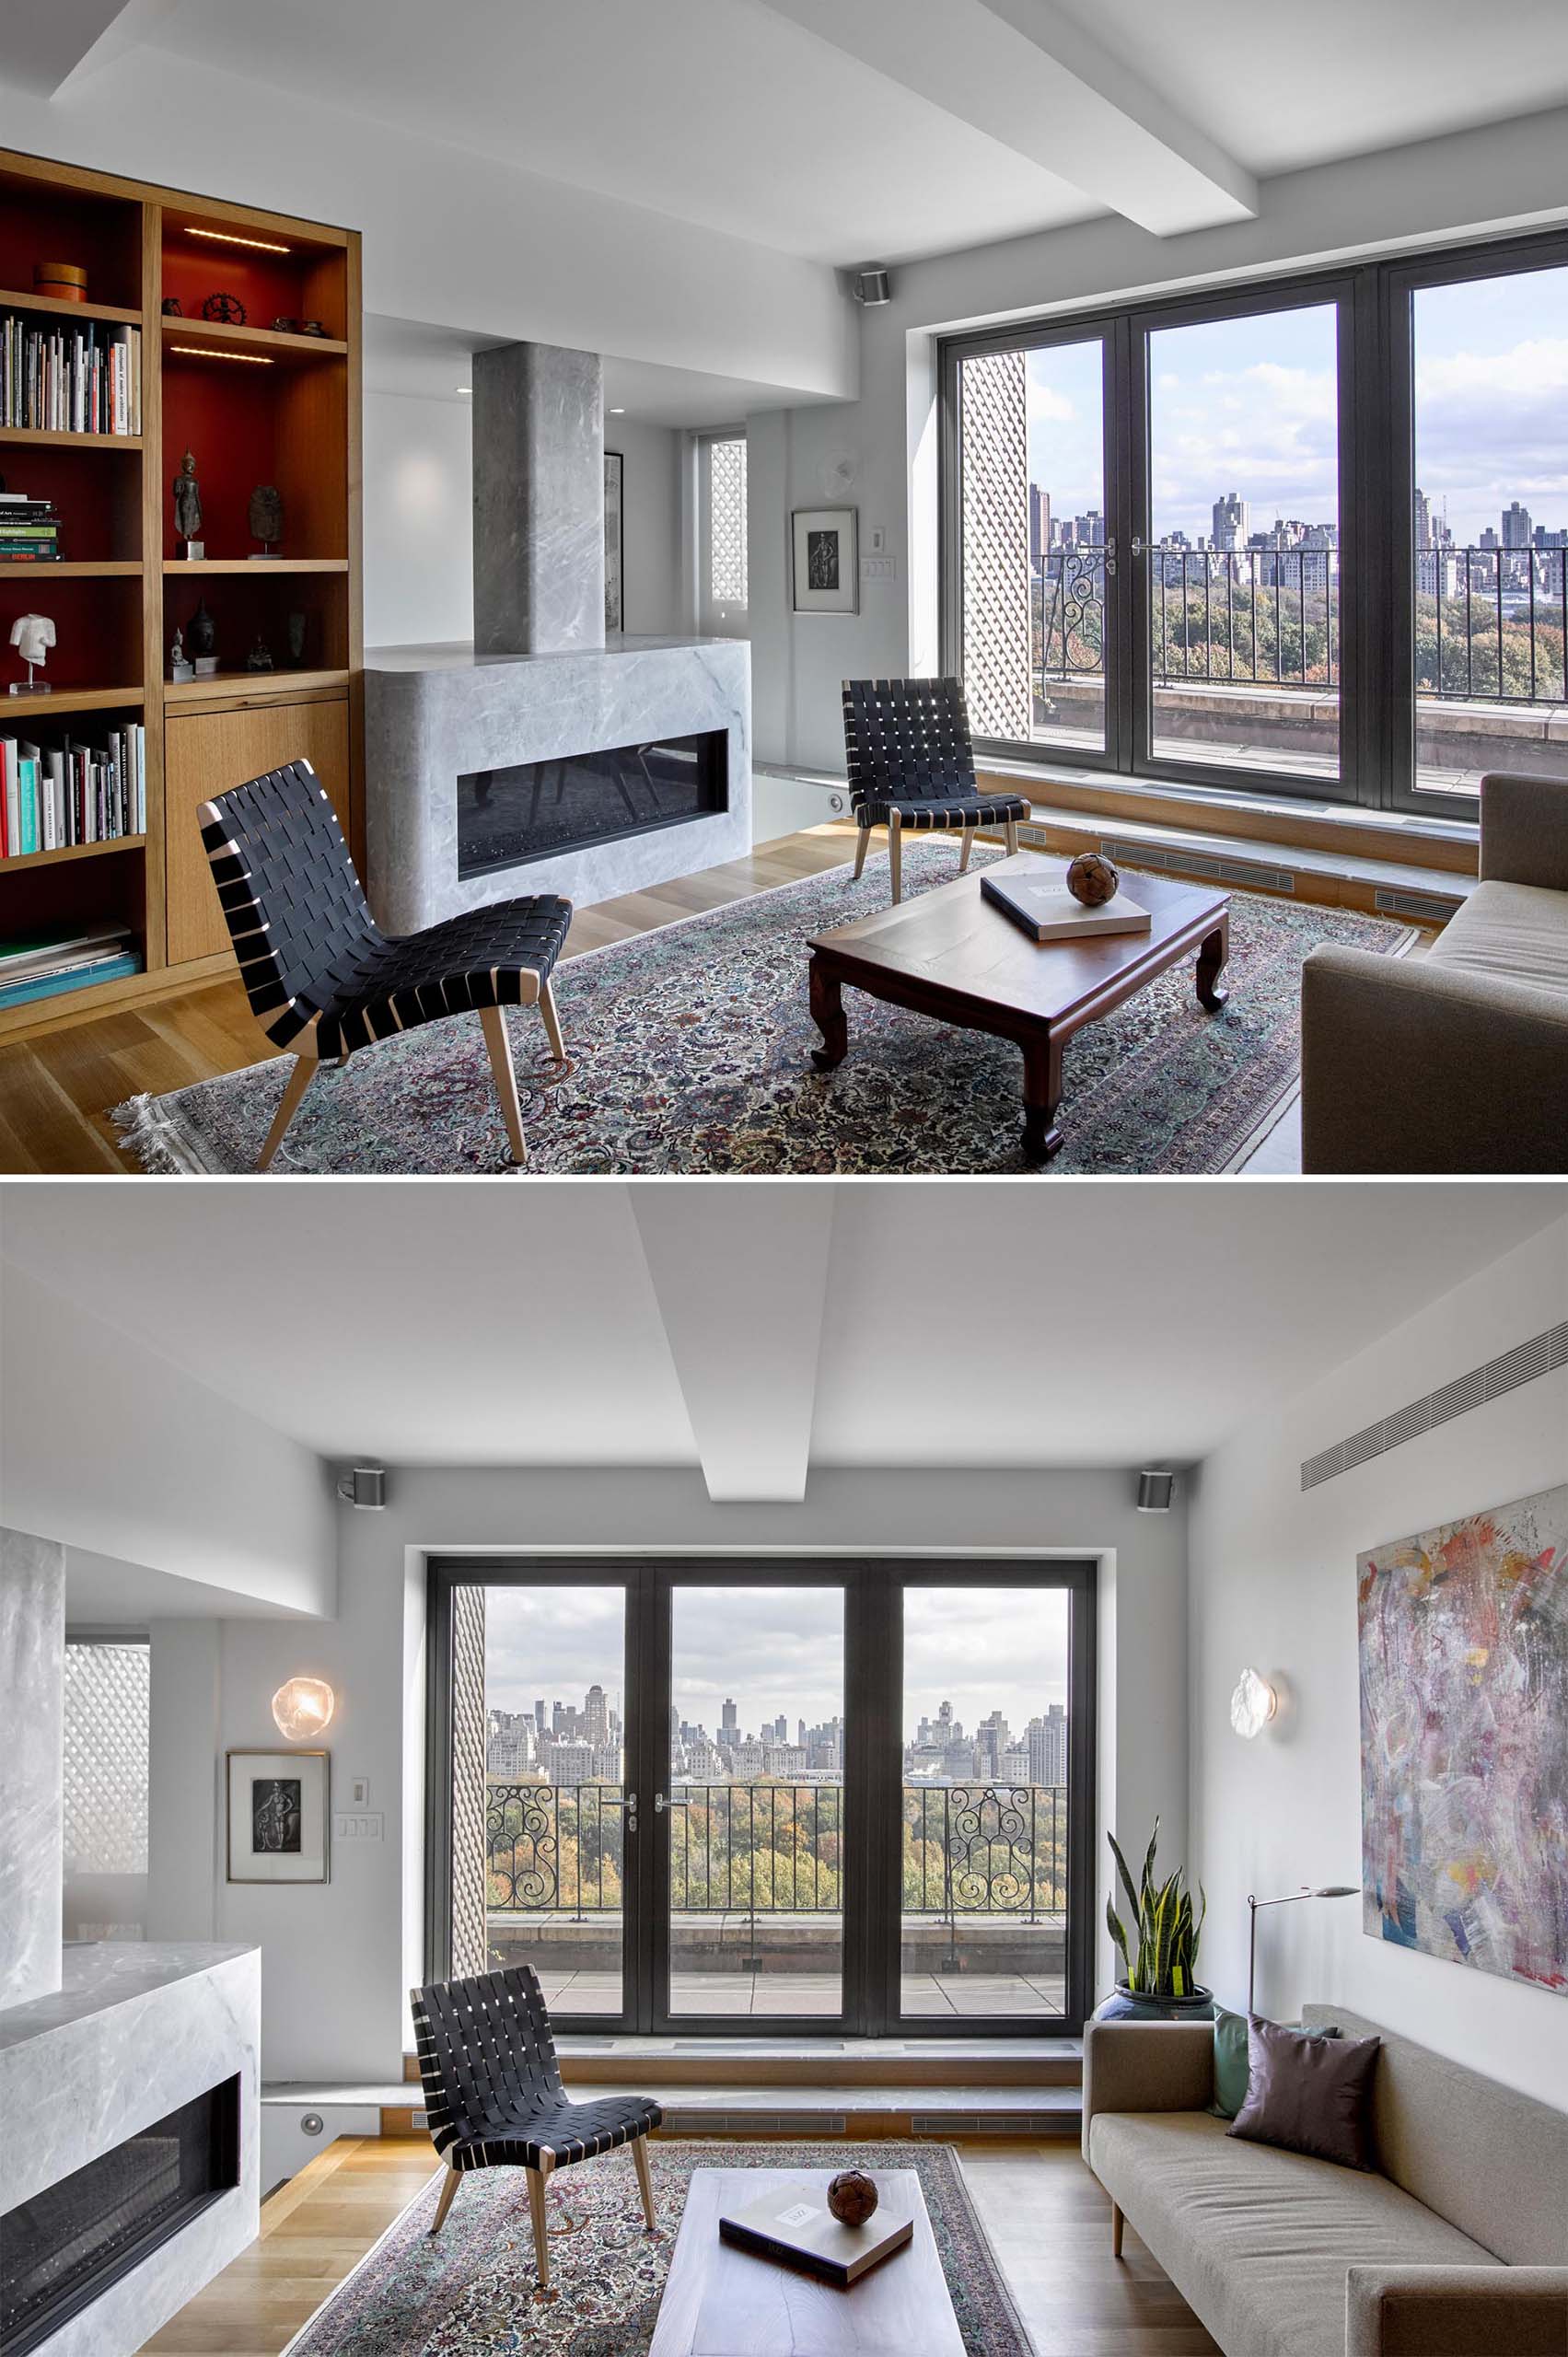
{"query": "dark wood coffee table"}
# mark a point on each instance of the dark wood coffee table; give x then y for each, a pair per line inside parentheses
(720, 2301)
(951, 955)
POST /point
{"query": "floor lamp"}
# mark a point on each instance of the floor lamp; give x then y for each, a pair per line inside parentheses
(1288, 1899)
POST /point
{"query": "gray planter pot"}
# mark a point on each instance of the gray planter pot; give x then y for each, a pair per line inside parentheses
(1126, 2004)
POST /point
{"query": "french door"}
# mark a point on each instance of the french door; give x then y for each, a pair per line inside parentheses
(767, 1799)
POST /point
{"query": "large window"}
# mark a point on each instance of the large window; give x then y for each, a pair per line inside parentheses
(1309, 537)
(805, 1796)
(723, 561)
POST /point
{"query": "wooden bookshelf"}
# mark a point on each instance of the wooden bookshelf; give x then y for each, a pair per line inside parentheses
(256, 403)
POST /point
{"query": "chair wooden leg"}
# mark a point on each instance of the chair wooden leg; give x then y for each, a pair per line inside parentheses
(860, 850)
(644, 2177)
(965, 849)
(536, 2178)
(305, 1071)
(454, 2178)
(895, 856)
(552, 1022)
(1117, 2222)
(1012, 836)
(500, 1048)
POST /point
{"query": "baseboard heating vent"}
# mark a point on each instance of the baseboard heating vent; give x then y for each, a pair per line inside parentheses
(1424, 907)
(1542, 1354)
(1199, 863)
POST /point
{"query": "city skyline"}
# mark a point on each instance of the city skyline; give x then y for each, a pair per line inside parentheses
(1248, 406)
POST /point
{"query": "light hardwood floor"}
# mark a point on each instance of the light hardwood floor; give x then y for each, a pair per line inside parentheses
(1048, 2221)
(56, 1086)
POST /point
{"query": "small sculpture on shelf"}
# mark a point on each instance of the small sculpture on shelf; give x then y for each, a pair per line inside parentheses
(32, 636)
(180, 664)
(267, 517)
(202, 639)
(296, 640)
(260, 655)
(173, 308)
(852, 2197)
(188, 508)
(227, 309)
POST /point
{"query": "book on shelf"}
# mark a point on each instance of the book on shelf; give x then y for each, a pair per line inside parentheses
(45, 965)
(794, 2227)
(59, 379)
(1048, 911)
(30, 530)
(56, 798)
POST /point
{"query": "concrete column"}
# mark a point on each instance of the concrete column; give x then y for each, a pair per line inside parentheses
(538, 500)
(184, 1763)
(32, 1712)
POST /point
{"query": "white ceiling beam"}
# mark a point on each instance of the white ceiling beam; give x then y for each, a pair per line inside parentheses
(1020, 72)
(740, 1276)
(45, 41)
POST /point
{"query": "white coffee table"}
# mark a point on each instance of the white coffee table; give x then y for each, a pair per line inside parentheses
(720, 2301)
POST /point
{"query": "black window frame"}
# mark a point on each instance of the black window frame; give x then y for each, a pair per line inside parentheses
(1376, 369)
(872, 1588)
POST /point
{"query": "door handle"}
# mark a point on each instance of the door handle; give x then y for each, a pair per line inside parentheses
(660, 1804)
(629, 1808)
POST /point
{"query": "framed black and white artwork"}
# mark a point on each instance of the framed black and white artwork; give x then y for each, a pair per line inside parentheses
(614, 591)
(827, 560)
(278, 1804)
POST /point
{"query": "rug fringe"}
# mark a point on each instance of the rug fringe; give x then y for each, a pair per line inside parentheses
(158, 1144)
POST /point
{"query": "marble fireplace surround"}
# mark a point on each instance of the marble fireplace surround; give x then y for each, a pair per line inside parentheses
(435, 714)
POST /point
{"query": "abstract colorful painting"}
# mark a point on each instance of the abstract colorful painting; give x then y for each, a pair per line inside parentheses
(1464, 1740)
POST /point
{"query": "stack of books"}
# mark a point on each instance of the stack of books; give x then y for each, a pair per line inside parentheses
(30, 530)
(794, 2227)
(46, 964)
(54, 797)
(55, 380)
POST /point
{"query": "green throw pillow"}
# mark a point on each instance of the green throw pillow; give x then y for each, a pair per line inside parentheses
(1230, 2059)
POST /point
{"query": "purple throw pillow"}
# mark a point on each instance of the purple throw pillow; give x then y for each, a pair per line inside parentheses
(1309, 2094)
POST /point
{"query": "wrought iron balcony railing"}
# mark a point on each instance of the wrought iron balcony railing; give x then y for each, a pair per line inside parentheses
(777, 1848)
(1491, 624)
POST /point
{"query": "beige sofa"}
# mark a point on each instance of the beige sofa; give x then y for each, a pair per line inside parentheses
(1456, 1060)
(1458, 2248)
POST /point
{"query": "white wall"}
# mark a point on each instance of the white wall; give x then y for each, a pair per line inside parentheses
(110, 1448)
(1274, 1584)
(339, 1960)
(1508, 174)
(418, 520)
(651, 524)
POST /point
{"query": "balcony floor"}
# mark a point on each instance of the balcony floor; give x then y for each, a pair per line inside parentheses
(769, 1994)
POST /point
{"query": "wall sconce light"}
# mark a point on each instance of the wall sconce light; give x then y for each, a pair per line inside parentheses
(303, 1707)
(1253, 1704)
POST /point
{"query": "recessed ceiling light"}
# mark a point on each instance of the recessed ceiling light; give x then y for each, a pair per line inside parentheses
(227, 237)
(462, 388)
(618, 412)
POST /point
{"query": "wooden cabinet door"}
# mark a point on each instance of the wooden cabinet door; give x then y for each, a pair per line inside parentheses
(206, 753)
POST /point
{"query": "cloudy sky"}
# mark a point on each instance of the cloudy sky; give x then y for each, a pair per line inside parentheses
(1248, 405)
(781, 1649)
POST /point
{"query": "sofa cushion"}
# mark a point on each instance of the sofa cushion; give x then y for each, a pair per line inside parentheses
(1517, 931)
(1259, 2241)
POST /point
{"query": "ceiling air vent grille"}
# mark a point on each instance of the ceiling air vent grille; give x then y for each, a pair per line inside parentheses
(1542, 1354)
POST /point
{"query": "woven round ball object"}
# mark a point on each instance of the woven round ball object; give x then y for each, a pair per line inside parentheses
(852, 2197)
(1093, 879)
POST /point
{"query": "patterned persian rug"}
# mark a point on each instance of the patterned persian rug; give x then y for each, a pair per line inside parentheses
(470, 2292)
(692, 1051)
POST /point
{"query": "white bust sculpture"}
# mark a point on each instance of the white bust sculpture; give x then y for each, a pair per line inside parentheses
(32, 636)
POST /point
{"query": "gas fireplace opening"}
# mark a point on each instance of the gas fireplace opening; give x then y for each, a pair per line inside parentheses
(65, 2247)
(539, 808)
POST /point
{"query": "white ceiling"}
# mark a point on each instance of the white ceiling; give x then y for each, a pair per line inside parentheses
(754, 119)
(431, 362)
(582, 1325)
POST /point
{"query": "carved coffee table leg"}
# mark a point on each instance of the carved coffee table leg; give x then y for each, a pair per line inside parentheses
(828, 1014)
(1042, 1094)
(1212, 956)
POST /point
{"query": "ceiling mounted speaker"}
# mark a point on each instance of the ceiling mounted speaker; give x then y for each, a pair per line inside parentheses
(1155, 1491)
(873, 286)
(365, 1486)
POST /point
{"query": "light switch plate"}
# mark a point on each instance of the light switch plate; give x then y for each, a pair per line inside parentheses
(358, 1826)
(359, 1792)
(878, 540)
(879, 568)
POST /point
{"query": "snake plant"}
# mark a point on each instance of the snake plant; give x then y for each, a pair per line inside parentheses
(1167, 1930)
